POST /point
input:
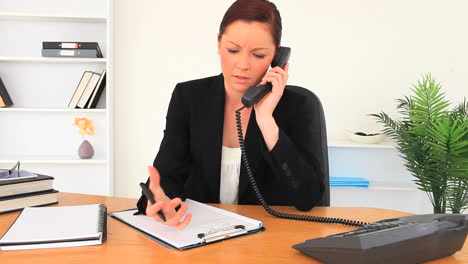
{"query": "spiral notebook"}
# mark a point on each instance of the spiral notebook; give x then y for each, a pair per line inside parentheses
(208, 225)
(54, 227)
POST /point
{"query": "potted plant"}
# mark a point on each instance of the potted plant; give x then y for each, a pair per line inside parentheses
(433, 141)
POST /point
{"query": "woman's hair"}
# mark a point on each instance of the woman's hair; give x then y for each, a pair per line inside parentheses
(254, 11)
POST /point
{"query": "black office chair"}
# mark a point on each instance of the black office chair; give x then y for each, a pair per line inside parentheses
(324, 145)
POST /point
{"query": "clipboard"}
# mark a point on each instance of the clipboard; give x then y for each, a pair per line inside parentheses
(208, 225)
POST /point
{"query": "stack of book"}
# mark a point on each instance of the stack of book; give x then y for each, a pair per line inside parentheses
(349, 182)
(89, 90)
(33, 190)
(5, 99)
(71, 49)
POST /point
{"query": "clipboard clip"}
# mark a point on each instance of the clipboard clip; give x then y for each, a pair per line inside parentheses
(236, 230)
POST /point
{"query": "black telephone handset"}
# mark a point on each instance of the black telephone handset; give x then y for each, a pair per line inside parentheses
(254, 93)
(251, 97)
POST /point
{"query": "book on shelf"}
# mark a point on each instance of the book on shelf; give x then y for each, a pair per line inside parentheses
(18, 186)
(92, 103)
(55, 227)
(20, 201)
(87, 92)
(80, 88)
(72, 46)
(82, 53)
(5, 99)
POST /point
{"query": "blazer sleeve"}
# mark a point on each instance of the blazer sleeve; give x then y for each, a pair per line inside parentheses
(173, 159)
(295, 158)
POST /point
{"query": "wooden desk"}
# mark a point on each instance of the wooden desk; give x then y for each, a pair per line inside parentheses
(125, 245)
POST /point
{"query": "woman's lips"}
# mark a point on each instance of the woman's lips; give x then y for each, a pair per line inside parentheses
(240, 79)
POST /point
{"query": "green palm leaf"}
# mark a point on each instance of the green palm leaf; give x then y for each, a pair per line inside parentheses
(433, 143)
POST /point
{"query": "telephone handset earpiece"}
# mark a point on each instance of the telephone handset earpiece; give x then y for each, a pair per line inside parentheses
(254, 93)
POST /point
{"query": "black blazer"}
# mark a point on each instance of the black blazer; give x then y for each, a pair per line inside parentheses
(189, 158)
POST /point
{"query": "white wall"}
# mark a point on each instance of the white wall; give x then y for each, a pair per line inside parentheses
(358, 56)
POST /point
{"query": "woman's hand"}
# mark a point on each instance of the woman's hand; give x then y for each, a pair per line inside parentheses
(173, 217)
(265, 107)
(278, 78)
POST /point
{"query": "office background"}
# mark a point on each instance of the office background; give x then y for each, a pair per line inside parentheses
(357, 56)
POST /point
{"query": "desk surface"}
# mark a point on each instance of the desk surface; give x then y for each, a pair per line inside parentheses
(125, 245)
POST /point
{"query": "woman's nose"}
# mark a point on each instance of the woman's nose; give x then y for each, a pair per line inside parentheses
(243, 62)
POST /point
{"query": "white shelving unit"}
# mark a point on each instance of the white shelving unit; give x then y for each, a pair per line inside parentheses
(391, 185)
(351, 144)
(20, 109)
(21, 16)
(55, 160)
(38, 129)
(51, 60)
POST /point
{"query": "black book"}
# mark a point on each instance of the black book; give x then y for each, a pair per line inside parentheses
(18, 202)
(72, 45)
(90, 87)
(92, 103)
(5, 99)
(80, 89)
(13, 187)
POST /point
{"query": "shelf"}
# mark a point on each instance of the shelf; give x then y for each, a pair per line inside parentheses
(393, 188)
(52, 60)
(386, 186)
(380, 188)
(393, 185)
(351, 144)
(54, 160)
(45, 86)
(50, 18)
(56, 110)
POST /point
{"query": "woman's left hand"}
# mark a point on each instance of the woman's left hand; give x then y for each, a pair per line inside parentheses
(278, 78)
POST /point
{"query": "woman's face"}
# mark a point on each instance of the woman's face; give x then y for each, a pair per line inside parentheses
(246, 50)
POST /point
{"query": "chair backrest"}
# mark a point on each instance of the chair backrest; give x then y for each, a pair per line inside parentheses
(323, 136)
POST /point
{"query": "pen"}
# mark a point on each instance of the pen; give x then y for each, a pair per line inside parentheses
(149, 195)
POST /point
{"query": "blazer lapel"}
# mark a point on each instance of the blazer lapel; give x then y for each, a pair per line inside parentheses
(213, 129)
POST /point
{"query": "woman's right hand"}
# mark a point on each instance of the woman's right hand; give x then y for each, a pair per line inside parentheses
(164, 203)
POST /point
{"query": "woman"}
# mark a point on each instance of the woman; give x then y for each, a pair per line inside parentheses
(200, 158)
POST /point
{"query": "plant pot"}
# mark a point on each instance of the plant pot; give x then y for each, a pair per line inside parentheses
(86, 150)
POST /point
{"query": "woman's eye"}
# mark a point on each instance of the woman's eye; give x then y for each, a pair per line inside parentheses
(260, 56)
(233, 50)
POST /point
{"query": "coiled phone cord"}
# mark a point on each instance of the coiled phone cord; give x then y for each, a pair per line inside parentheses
(262, 201)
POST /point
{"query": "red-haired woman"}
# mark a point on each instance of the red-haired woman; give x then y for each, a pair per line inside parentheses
(199, 157)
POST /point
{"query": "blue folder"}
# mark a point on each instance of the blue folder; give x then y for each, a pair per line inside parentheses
(349, 182)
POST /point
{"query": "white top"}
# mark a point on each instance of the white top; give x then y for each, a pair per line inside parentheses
(230, 171)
